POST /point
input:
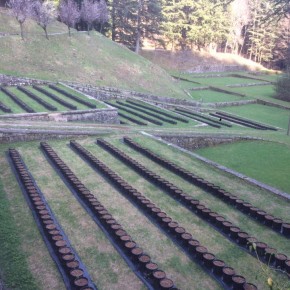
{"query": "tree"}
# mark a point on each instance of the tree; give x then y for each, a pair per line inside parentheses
(69, 13)
(103, 15)
(89, 13)
(21, 10)
(44, 13)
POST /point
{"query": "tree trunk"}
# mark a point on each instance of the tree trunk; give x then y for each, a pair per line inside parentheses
(138, 32)
(21, 30)
(69, 31)
(88, 28)
(46, 34)
(114, 20)
(101, 27)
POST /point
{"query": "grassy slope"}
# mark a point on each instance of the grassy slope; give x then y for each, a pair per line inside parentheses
(250, 157)
(89, 59)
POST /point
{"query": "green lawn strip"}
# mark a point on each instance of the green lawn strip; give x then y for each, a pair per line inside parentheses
(216, 243)
(267, 77)
(27, 100)
(81, 96)
(13, 264)
(10, 103)
(257, 91)
(67, 99)
(104, 264)
(265, 114)
(223, 81)
(260, 198)
(267, 162)
(187, 85)
(59, 106)
(25, 261)
(161, 249)
(211, 96)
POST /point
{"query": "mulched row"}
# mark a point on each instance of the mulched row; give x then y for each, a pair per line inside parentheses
(74, 97)
(135, 121)
(199, 119)
(157, 111)
(227, 228)
(241, 121)
(37, 99)
(192, 247)
(69, 264)
(54, 97)
(4, 108)
(135, 113)
(203, 117)
(139, 261)
(157, 116)
(24, 106)
(259, 215)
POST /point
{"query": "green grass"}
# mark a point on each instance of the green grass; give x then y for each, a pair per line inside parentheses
(10, 103)
(257, 91)
(91, 59)
(13, 262)
(260, 113)
(211, 96)
(268, 162)
(222, 81)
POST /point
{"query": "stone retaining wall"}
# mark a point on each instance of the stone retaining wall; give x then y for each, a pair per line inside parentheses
(107, 93)
(7, 80)
(193, 142)
(20, 135)
(104, 116)
(216, 68)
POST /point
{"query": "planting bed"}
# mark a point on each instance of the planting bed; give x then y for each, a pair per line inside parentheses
(229, 229)
(261, 216)
(131, 119)
(72, 269)
(37, 99)
(4, 108)
(74, 97)
(19, 102)
(157, 116)
(54, 97)
(140, 262)
(261, 113)
(242, 121)
(203, 117)
(159, 111)
(198, 253)
(142, 116)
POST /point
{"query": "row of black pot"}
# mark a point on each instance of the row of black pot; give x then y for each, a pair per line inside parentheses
(247, 208)
(24, 106)
(37, 99)
(141, 261)
(136, 114)
(54, 97)
(157, 111)
(76, 98)
(4, 108)
(157, 116)
(233, 232)
(178, 234)
(64, 253)
(131, 119)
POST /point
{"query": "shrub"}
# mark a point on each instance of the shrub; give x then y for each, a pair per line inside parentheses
(283, 87)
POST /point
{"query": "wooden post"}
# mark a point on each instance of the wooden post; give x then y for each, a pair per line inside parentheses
(288, 131)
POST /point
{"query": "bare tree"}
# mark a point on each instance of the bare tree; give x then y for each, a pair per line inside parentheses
(69, 13)
(21, 10)
(103, 16)
(89, 13)
(44, 13)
